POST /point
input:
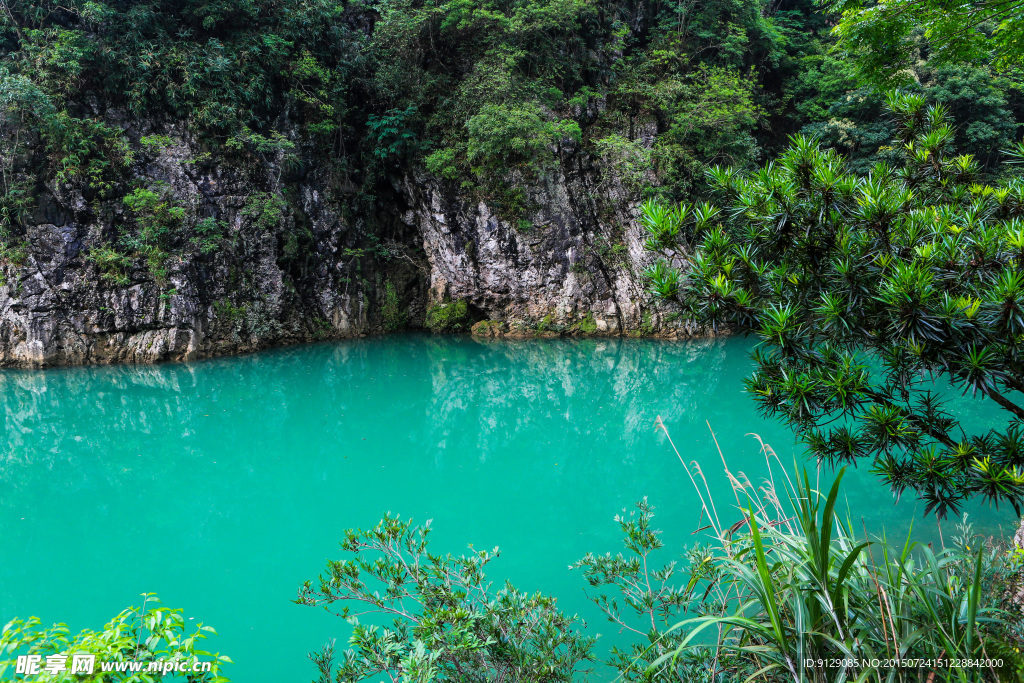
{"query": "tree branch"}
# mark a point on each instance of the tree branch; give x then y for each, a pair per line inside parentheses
(1006, 404)
(918, 423)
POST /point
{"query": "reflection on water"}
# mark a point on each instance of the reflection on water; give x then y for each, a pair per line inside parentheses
(223, 484)
(83, 426)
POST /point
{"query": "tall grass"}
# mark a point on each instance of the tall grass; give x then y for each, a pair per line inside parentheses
(802, 598)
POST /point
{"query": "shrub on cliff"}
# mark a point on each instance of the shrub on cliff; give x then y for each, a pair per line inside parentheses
(448, 316)
(393, 314)
(362, 89)
(500, 137)
(874, 298)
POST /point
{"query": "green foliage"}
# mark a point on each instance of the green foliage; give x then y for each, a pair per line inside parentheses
(712, 114)
(15, 205)
(210, 234)
(631, 159)
(646, 327)
(14, 252)
(448, 316)
(449, 623)
(322, 328)
(852, 119)
(159, 221)
(478, 94)
(270, 145)
(887, 37)
(391, 132)
(652, 599)
(158, 218)
(154, 144)
(502, 136)
(113, 265)
(227, 311)
(443, 163)
(145, 634)
(797, 586)
(547, 324)
(585, 325)
(86, 151)
(78, 149)
(264, 209)
(789, 582)
(264, 149)
(612, 253)
(392, 312)
(873, 296)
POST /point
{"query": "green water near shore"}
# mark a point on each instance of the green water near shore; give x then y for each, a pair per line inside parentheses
(222, 485)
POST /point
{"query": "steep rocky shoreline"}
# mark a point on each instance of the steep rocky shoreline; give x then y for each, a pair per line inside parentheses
(316, 271)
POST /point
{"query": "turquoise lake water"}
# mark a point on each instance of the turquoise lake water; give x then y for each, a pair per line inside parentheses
(222, 485)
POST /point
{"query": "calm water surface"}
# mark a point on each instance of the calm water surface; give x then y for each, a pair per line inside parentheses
(222, 485)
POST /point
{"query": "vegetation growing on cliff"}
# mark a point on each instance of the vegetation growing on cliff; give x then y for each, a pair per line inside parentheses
(448, 316)
(102, 101)
(483, 95)
(393, 316)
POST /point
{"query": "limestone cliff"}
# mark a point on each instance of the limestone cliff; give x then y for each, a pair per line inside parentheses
(310, 267)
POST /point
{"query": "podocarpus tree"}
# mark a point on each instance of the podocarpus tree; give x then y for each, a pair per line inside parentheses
(876, 298)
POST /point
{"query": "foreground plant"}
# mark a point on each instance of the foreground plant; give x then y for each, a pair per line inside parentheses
(800, 595)
(448, 622)
(875, 299)
(777, 593)
(646, 600)
(138, 636)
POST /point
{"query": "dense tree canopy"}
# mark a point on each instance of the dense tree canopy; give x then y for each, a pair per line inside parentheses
(888, 37)
(400, 77)
(486, 95)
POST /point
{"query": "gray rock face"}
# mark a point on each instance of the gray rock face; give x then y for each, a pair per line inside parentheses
(574, 265)
(563, 265)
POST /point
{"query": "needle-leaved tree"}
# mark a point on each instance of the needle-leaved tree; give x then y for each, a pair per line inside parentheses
(877, 298)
